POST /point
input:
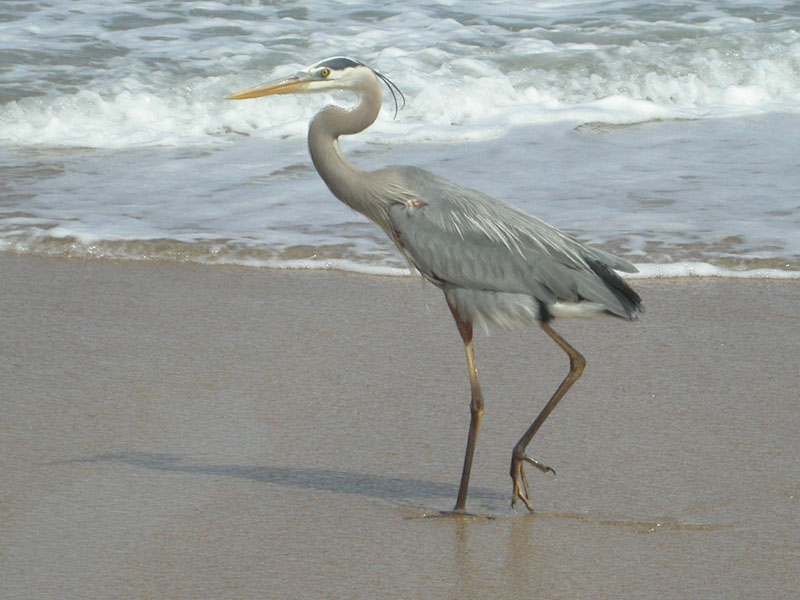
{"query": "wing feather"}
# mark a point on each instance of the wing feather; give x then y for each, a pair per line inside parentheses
(461, 237)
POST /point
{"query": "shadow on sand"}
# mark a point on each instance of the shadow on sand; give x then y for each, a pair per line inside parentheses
(395, 489)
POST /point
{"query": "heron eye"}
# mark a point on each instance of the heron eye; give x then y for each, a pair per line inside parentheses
(325, 73)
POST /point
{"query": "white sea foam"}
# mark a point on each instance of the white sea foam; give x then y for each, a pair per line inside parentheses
(162, 75)
(700, 269)
(487, 107)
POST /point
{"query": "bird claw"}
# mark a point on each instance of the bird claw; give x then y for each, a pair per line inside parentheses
(520, 481)
(538, 465)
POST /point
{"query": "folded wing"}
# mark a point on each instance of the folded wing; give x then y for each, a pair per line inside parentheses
(461, 237)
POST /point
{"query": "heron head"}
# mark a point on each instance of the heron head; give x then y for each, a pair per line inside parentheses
(337, 73)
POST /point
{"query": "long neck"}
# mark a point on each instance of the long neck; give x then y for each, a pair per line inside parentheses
(347, 182)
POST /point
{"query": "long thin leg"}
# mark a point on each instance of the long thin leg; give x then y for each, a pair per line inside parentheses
(475, 407)
(576, 365)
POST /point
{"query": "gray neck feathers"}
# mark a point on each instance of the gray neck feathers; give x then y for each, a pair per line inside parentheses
(350, 184)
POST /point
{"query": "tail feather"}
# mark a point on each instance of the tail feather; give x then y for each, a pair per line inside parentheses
(623, 292)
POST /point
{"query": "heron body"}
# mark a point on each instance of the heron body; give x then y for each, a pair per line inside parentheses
(495, 263)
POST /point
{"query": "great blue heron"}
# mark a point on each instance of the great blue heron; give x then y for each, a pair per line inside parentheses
(494, 262)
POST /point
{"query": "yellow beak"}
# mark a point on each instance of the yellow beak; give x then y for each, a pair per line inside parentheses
(287, 85)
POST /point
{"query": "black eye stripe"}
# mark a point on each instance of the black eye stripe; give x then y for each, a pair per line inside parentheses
(338, 63)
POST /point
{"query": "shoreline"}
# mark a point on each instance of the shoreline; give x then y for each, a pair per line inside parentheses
(647, 271)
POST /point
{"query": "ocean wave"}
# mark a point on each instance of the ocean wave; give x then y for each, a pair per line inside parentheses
(438, 109)
(159, 76)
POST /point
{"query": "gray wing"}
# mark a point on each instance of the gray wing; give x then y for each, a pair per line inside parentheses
(462, 237)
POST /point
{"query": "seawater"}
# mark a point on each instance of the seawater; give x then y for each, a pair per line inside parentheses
(664, 133)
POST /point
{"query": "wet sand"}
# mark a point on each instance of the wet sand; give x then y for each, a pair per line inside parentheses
(179, 431)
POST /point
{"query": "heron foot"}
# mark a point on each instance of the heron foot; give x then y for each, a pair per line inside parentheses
(462, 514)
(520, 481)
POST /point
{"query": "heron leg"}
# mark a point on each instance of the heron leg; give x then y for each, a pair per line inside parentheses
(518, 458)
(476, 408)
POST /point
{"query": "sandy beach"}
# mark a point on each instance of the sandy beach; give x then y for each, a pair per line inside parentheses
(185, 431)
